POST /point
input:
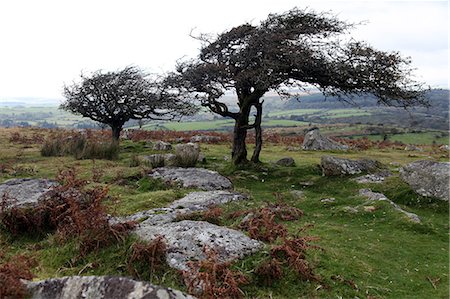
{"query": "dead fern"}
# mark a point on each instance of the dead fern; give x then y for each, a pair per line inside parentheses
(145, 257)
(11, 273)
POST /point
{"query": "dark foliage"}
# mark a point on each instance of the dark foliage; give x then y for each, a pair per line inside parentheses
(293, 49)
(113, 98)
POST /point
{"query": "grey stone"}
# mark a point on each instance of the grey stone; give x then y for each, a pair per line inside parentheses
(328, 200)
(193, 178)
(27, 191)
(298, 194)
(170, 160)
(187, 154)
(413, 148)
(375, 178)
(162, 146)
(339, 166)
(186, 240)
(99, 287)
(204, 138)
(375, 196)
(287, 161)
(155, 160)
(193, 202)
(428, 178)
(314, 141)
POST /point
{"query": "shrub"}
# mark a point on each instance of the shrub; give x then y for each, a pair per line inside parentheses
(11, 273)
(187, 154)
(210, 278)
(147, 257)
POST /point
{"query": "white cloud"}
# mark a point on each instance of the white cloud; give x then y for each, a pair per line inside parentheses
(47, 43)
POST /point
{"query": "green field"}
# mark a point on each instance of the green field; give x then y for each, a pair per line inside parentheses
(380, 252)
(413, 138)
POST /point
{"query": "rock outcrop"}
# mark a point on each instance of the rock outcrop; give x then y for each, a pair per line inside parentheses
(100, 287)
(375, 196)
(187, 239)
(428, 178)
(204, 138)
(193, 178)
(339, 166)
(314, 141)
(26, 192)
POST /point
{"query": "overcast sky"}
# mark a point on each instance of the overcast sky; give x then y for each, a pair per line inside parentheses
(45, 44)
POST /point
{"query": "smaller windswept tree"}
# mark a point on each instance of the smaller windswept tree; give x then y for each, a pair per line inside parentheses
(113, 98)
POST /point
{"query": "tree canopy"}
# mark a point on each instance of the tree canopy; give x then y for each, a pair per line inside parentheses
(113, 98)
(289, 52)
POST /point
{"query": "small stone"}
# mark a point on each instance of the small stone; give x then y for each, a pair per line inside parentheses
(328, 200)
(298, 194)
(287, 162)
(349, 209)
(370, 209)
(162, 146)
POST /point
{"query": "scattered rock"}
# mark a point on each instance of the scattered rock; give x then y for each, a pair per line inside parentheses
(162, 146)
(339, 166)
(99, 287)
(370, 209)
(193, 178)
(170, 160)
(186, 240)
(374, 196)
(298, 194)
(204, 138)
(193, 202)
(328, 200)
(349, 209)
(27, 191)
(314, 141)
(287, 162)
(155, 160)
(375, 178)
(411, 147)
(187, 154)
(428, 178)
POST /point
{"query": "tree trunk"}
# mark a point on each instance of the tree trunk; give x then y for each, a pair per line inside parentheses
(116, 129)
(239, 152)
(258, 133)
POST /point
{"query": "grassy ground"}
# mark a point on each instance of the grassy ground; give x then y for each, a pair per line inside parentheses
(384, 254)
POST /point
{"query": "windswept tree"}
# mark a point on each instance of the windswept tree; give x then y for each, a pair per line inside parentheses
(290, 51)
(113, 98)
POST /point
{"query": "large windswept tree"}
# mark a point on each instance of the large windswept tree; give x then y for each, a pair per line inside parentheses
(113, 98)
(286, 52)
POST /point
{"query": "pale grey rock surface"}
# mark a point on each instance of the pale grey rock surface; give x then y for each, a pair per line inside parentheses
(100, 287)
(375, 196)
(193, 178)
(332, 166)
(428, 178)
(187, 239)
(375, 178)
(314, 141)
(27, 191)
(204, 138)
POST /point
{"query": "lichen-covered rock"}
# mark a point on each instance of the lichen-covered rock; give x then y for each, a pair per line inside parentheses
(314, 141)
(193, 202)
(186, 240)
(201, 201)
(287, 161)
(374, 178)
(100, 287)
(155, 160)
(413, 148)
(428, 178)
(187, 154)
(193, 178)
(162, 146)
(339, 166)
(26, 192)
(375, 196)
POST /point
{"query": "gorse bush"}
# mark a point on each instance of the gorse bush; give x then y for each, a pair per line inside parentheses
(81, 146)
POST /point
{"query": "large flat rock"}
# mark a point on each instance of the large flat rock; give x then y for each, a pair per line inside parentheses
(100, 287)
(27, 191)
(193, 178)
(334, 166)
(187, 239)
(428, 178)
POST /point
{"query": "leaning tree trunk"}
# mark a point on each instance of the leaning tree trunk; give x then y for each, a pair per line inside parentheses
(239, 152)
(258, 132)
